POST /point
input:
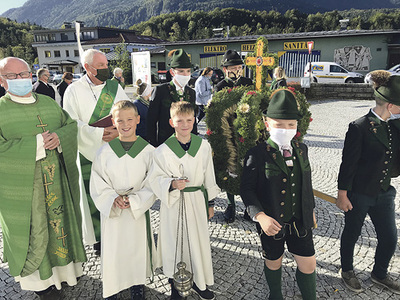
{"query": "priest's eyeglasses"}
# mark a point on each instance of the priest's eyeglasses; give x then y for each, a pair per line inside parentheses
(25, 74)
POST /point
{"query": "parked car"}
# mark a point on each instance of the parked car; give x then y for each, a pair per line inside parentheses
(77, 76)
(57, 78)
(395, 70)
(216, 77)
(330, 72)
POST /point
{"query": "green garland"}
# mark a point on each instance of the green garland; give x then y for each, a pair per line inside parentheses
(235, 125)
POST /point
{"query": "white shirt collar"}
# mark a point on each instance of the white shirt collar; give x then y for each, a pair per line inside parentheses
(372, 110)
(22, 100)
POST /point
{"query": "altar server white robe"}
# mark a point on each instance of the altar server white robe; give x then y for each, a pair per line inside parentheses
(200, 171)
(125, 255)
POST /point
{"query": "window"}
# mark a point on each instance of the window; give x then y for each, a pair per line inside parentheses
(337, 69)
(161, 65)
(57, 53)
(64, 37)
(67, 53)
(153, 64)
(87, 35)
(76, 53)
(105, 50)
(47, 54)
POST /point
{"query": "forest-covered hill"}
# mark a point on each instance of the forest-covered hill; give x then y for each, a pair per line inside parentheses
(125, 13)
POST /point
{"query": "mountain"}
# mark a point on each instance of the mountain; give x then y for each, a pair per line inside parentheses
(125, 13)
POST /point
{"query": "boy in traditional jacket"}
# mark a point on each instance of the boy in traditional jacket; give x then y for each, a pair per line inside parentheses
(120, 191)
(369, 160)
(276, 189)
(185, 154)
(157, 127)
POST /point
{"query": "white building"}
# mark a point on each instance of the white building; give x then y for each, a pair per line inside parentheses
(58, 48)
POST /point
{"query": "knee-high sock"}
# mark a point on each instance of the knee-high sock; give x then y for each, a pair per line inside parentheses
(231, 199)
(307, 285)
(274, 280)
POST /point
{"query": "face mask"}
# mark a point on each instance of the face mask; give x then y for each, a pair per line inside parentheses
(19, 87)
(394, 116)
(282, 136)
(103, 74)
(181, 79)
(147, 91)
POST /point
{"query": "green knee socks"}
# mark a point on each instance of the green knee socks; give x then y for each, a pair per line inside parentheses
(307, 285)
(274, 280)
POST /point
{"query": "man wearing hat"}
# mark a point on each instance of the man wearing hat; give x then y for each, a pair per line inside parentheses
(232, 65)
(276, 189)
(370, 157)
(158, 128)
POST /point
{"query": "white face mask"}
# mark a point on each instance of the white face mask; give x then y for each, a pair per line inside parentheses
(282, 136)
(181, 79)
(394, 116)
(147, 91)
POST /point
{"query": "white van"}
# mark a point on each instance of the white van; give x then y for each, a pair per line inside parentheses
(330, 72)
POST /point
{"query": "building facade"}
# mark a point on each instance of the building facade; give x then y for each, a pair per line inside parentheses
(356, 50)
(58, 49)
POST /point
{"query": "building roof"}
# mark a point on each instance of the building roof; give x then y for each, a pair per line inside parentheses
(72, 29)
(285, 36)
(62, 62)
(129, 38)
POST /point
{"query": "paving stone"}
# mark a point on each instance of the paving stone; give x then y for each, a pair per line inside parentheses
(236, 249)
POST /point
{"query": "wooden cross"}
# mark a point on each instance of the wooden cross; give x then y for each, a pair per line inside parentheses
(41, 124)
(46, 184)
(259, 61)
(62, 237)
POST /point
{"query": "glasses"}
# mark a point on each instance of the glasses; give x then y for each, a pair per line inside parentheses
(25, 74)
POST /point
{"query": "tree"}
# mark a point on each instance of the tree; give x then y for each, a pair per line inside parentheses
(122, 60)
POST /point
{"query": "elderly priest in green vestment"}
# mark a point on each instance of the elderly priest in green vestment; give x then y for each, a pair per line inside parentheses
(39, 188)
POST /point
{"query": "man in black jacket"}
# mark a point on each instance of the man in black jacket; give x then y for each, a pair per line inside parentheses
(42, 86)
(62, 86)
(370, 157)
(232, 65)
(276, 189)
(158, 128)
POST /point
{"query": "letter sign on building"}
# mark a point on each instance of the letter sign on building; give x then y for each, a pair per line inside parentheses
(215, 49)
(248, 47)
(295, 46)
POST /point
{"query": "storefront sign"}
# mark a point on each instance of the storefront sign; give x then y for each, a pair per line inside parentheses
(215, 49)
(296, 46)
(247, 47)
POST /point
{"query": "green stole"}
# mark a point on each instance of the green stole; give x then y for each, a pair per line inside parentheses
(173, 144)
(102, 109)
(136, 148)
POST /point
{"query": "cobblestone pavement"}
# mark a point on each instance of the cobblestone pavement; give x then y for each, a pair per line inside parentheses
(238, 266)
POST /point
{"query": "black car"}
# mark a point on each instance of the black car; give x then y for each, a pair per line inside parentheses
(216, 77)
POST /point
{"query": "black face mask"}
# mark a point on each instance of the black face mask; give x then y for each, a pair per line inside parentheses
(234, 76)
(103, 74)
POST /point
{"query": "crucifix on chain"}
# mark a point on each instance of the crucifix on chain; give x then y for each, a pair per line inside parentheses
(259, 61)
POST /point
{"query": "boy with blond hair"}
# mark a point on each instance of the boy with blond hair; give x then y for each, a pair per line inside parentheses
(121, 193)
(185, 154)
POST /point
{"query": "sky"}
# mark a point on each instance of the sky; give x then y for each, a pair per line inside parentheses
(7, 4)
